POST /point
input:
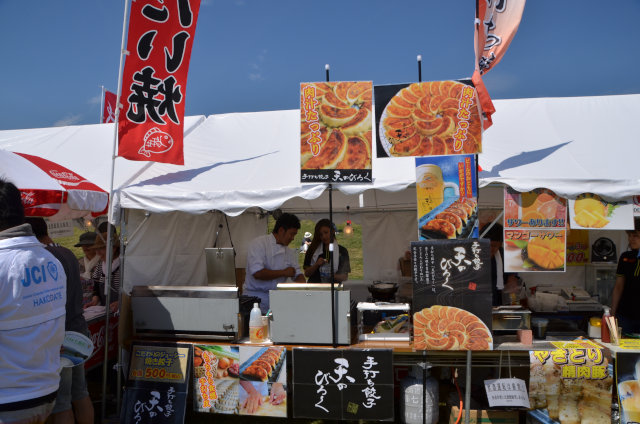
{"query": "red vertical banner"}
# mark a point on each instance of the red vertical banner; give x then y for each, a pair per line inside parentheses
(109, 109)
(151, 123)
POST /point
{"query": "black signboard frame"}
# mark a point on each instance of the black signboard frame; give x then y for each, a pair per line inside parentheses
(324, 387)
(150, 396)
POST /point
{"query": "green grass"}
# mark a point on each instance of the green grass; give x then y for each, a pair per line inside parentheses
(352, 243)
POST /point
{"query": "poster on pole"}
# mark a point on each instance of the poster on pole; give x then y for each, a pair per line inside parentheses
(427, 119)
(452, 294)
(335, 132)
(447, 197)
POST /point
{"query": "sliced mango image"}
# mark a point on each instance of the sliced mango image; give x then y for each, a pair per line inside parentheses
(547, 253)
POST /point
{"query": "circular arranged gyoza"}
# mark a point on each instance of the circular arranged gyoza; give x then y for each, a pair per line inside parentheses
(449, 328)
(422, 118)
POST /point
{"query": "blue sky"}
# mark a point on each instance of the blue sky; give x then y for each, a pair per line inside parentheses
(251, 55)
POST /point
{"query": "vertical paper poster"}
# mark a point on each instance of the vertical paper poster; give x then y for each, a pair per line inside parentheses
(343, 384)
(534, 231)
(427, 119)
(452, 294)
(447, 197)
(590, 211)
(215, 375)
(335, 131)
(263, 379)
(571, 385)
(157, 383)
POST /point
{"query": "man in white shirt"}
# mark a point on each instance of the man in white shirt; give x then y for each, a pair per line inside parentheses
(270, 261)
(32, 316)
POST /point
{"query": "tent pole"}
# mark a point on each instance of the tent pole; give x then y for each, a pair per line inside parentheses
(333, 290)
(107, 279)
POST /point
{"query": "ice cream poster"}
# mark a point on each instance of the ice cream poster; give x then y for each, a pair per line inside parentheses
(534, 231)
(592, 212)
(447, 197)
(571, 385)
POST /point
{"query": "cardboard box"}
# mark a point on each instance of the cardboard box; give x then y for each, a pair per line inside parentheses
(484, 416)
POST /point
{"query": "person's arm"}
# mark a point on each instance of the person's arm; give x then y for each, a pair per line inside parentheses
(344, 265)
(254, 398)
(617, 294)
(272, 274)
(278, 394)
(309, 270)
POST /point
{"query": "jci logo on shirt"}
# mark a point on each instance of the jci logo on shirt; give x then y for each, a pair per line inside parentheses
(37, 274)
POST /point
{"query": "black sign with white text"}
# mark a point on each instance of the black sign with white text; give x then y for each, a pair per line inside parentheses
(343, 384)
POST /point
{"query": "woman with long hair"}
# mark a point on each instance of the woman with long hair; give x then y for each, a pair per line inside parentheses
(320, 257)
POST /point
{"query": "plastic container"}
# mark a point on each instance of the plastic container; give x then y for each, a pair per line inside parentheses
(539, 327)
(411, 386)
(604, 328)
(595, 331)
(256, 327)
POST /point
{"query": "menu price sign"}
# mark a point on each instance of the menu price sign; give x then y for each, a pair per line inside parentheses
(349, 384)
(157, 383)
(452, 295)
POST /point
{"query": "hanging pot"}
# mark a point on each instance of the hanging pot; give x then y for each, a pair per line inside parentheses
(383, 291)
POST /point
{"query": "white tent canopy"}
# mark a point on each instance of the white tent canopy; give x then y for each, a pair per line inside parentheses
(243, 161)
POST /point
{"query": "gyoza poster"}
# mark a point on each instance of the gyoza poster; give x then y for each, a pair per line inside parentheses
(590, 211)
(335, 131)
(263, 381)
(571, 385)
(447, 197)
(427, 119)
(452, 294)
(534, 231)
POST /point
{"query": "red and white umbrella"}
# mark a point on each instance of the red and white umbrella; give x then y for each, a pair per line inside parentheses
(49, 189)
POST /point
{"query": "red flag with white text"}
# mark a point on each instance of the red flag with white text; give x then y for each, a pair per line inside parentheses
(497, 24)
(109, 108)
(151, 122)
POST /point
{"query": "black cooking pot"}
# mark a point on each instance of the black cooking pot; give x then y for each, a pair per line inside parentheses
(383, 291)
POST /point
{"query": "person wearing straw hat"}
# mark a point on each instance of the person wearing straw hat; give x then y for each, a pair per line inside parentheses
(90, 259)
(98, 275)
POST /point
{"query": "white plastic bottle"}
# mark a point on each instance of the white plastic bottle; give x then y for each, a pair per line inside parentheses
(256, 328)
(414, 400)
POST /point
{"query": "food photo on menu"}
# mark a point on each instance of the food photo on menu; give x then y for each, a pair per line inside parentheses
(216, 370)
(263, 376)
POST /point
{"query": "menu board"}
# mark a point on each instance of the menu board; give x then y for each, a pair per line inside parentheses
(571, 385)
(447, 197)
(343, 384)
(157, 384)
(428, 119)
(628, 380)
(590, 211)
(452, 294)
(335, 131)
(534, 231)
(240, 380)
